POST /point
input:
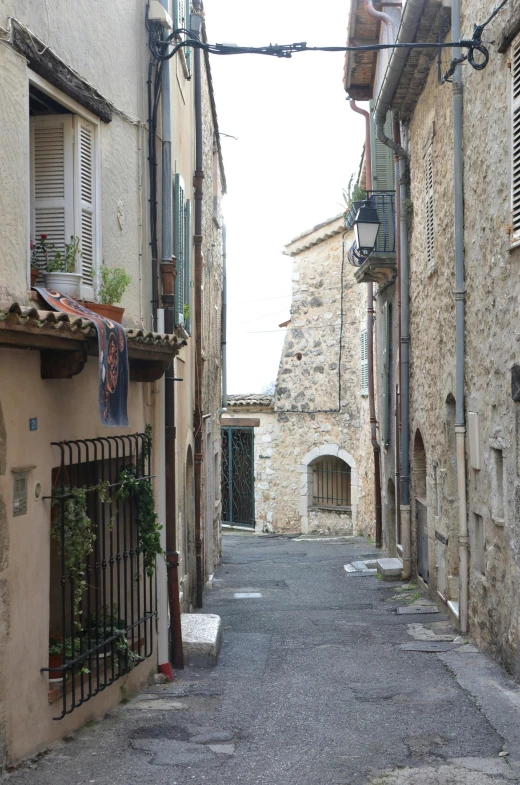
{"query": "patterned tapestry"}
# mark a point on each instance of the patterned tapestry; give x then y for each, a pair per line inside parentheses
(113, 357)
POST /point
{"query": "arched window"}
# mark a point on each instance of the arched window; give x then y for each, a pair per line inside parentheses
(331, 483)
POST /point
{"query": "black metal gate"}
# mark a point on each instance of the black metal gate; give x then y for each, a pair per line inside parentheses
(104, 544)
(238, 484)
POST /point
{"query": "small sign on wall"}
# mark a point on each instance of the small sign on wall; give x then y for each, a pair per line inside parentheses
(33, 423)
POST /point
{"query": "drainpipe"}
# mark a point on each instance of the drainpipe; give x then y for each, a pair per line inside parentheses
(397, 138)
(370, 346)
(168, 273)
(407, 31)
(460, 297)
(224, 320)
(385, 18)
(196, 25)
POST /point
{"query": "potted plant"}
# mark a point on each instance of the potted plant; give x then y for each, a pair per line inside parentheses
(114, 281)
(56, 654)
(60, 273)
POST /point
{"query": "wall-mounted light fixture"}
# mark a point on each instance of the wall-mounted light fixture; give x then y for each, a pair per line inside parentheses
(366, 227)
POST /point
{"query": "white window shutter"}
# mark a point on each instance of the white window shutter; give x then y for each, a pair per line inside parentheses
(85, 200)
(52, 180)
(515, 197)
(364, 361)
(428, 162)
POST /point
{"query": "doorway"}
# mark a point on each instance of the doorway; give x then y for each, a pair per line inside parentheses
(238, 484)
(421, 513)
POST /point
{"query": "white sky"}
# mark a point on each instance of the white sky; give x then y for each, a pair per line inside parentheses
(298, 143)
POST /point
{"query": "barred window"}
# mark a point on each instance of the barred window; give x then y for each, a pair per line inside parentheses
(331, 483)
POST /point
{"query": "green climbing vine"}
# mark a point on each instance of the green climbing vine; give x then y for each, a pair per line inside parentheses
(78, 535)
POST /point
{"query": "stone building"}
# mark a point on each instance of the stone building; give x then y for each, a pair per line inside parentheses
(80, 157)
(459, 230)
(314, 465)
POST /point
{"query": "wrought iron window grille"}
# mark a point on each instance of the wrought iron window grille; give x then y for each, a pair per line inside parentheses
(331, 484)
(103, 607)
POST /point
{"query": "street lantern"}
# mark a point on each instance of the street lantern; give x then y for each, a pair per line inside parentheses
(366, 227)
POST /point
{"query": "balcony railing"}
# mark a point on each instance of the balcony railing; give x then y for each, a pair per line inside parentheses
(384, 202)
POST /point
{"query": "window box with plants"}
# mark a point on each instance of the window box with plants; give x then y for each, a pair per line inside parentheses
(113, 284)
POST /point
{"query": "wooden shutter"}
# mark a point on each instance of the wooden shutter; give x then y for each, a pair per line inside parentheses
(187, 262)
(52, 180)
(515, 206)
(428, 174)
(387, 333)
(84, 141)
(178, 247)
(364, 361)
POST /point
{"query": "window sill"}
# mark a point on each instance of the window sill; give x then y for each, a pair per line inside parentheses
(324, 508)
(515, 243)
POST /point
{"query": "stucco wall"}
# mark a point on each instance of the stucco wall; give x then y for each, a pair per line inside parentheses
(307, 383)
(114, 26)
(66, 409)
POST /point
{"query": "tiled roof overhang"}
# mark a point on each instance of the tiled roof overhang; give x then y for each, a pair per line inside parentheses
(420, 61)
(360, 67)
(252, 399)
(28, 327)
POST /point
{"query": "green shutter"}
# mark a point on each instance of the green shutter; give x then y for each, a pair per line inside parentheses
(187, 262)
(382, 157)
(383, 180)
(178, 248)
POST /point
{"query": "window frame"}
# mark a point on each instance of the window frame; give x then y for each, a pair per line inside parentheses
(323, 505)
(74, 108)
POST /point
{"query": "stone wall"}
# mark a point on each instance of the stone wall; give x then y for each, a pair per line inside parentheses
(313, 376)
(491, 343)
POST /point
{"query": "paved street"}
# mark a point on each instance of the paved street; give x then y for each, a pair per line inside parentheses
(312, 687)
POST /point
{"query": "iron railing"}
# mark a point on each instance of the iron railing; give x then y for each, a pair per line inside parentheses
(384, 202)
(103, 591)
(331, 483)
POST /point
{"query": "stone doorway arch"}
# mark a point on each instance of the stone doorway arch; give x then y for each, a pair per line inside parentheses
(304, 468)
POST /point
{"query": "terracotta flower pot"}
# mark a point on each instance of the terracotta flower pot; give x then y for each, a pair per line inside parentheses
(112, 312)
(34, 275)
(55, 660)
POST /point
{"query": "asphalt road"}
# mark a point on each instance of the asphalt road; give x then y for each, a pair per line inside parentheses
(313, 687)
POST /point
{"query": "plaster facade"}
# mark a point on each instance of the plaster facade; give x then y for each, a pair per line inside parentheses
(319, 407)
(66, 409)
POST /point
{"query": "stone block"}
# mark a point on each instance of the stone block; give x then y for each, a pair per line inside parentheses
(201, 638)
(390, 569)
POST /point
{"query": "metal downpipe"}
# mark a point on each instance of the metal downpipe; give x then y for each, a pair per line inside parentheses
(168, 286)
(197, 283)
(460, 298)
(370, 349)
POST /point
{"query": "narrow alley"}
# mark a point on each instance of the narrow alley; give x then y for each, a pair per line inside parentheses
(314, 685)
